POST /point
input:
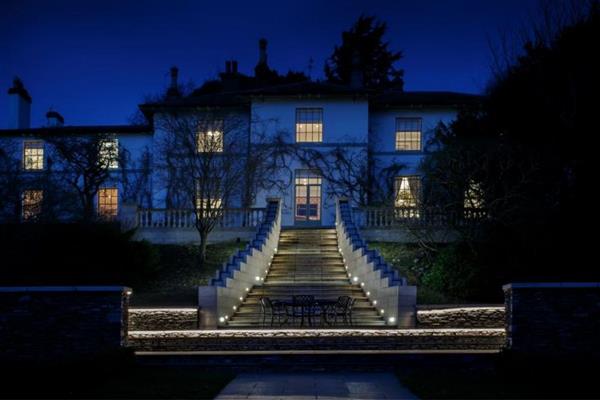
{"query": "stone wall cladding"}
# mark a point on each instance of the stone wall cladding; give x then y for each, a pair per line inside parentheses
(61, 323)
(156, 319)
(461, 317)
(409, 339)
(553, 319)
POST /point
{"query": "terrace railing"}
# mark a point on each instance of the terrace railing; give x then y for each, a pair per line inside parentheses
(389, 217)
(186, 218)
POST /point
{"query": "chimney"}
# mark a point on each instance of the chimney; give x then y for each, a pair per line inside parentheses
(54, 119)
(234, 67)
(173, 90)
(19, 106)
(356, 75)
(262, 51)
(228, 67)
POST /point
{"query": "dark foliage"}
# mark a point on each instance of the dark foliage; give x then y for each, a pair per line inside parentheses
(529, 150)
(73, 254)
(364, 50)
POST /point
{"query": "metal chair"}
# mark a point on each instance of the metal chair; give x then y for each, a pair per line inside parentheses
(273, 309)
(302, 306)
(340, 309)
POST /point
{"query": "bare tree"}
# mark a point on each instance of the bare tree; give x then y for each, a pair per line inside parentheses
(206, 162)
(11, 181)
(85, 164)
(135, 177)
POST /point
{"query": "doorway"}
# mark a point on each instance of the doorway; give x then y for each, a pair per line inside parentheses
(307, 198)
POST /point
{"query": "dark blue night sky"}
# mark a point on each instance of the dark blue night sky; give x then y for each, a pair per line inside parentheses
(94, 61)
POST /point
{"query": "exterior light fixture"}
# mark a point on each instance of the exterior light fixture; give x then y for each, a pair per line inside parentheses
(241, 299)
(221, 319)
(382, 311)
(391, 320)
(355, 279)
(247, 289)
(257, 278)
(362, 284)
(234, 308)
(226, 317)
(374, 302)
(129, 292)
(368, 293)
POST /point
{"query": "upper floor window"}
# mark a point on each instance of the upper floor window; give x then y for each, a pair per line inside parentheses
(408, 134)
(407, 190)
(33, 155)
(309, 125)
(108, 202)
(31, 204)
(473, 196)
(210, 137)
(109, 153)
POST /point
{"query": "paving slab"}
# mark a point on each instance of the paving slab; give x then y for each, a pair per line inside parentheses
(315, 385)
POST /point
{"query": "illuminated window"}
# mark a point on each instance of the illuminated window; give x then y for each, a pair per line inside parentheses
(408, 134)
(209, 207)
(308, 196)
(33, 155)
(109, 153)
(108, 202)
(309, 125)
(473, 196)
(210, 137)
(32, 204)
(408, 191)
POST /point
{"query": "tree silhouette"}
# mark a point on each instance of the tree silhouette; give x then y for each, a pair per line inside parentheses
(364, 50)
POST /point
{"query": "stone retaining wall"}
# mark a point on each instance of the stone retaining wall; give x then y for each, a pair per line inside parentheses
(461, 317)
(553, 319)
(62, 323)
(156, 319)
(383, 339)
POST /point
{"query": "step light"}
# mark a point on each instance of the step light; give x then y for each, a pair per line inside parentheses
(234, 308)
(392, 320)
(222, 319)
(374, 302)
(355, 279)
(382, 311)
(368, 293)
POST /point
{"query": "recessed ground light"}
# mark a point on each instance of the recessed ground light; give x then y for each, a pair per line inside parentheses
(391, 320)
(221, 319)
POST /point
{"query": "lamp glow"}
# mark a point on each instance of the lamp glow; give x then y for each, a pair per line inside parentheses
(391, 320)
(374, 302)
(221, 319)
(234, 308)
(355, 279)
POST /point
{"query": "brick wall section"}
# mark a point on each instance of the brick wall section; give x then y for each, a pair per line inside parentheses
(61, 323)
(553, 319)
(467, 316)
(156, 319)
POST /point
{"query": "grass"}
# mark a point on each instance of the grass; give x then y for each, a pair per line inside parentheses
(495, 377)
(410, 262)
(132, 382)
(180, 273)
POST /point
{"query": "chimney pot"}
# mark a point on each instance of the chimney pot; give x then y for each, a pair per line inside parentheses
(234, 67)
(174, 75)
(54, 118)
(19, 106)
(262, 51)
(228, 67)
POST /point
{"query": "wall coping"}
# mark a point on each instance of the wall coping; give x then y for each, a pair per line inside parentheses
(553, 285)
(17, 289)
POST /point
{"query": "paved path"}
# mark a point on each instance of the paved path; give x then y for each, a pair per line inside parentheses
(315, 385)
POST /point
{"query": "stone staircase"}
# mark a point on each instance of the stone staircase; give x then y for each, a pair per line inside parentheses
(307, 263)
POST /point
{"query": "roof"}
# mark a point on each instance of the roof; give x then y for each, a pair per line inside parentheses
(90, 129)
(424, 98)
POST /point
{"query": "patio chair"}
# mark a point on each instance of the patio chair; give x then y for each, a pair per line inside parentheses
(302, 306)
(272, 309)
(341, 309)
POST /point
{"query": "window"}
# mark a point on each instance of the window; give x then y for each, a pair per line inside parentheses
(209, 207)
(32, 204)
(210, 137)
(108, 202)
(109, 153)
(308, 195)
(408, 134)
(309, 125)
(408, 191)
(473, 196)
(33, 155)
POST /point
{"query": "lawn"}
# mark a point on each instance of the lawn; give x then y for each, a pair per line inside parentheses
(180, 273)
(410, 262)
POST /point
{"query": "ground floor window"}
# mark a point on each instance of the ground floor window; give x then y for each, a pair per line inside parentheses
(407, 191)
(108, 202)
(307, 196)
(31, 204)
(209, 206)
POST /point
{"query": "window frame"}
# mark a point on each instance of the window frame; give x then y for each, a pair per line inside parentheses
(408, 141)
(105, 157)
(398, 187)
(101, 204)
(42, 147)
(312, 133)
(202, 131)
(31, 212)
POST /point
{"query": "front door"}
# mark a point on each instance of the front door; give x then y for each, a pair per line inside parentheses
(307, 198)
